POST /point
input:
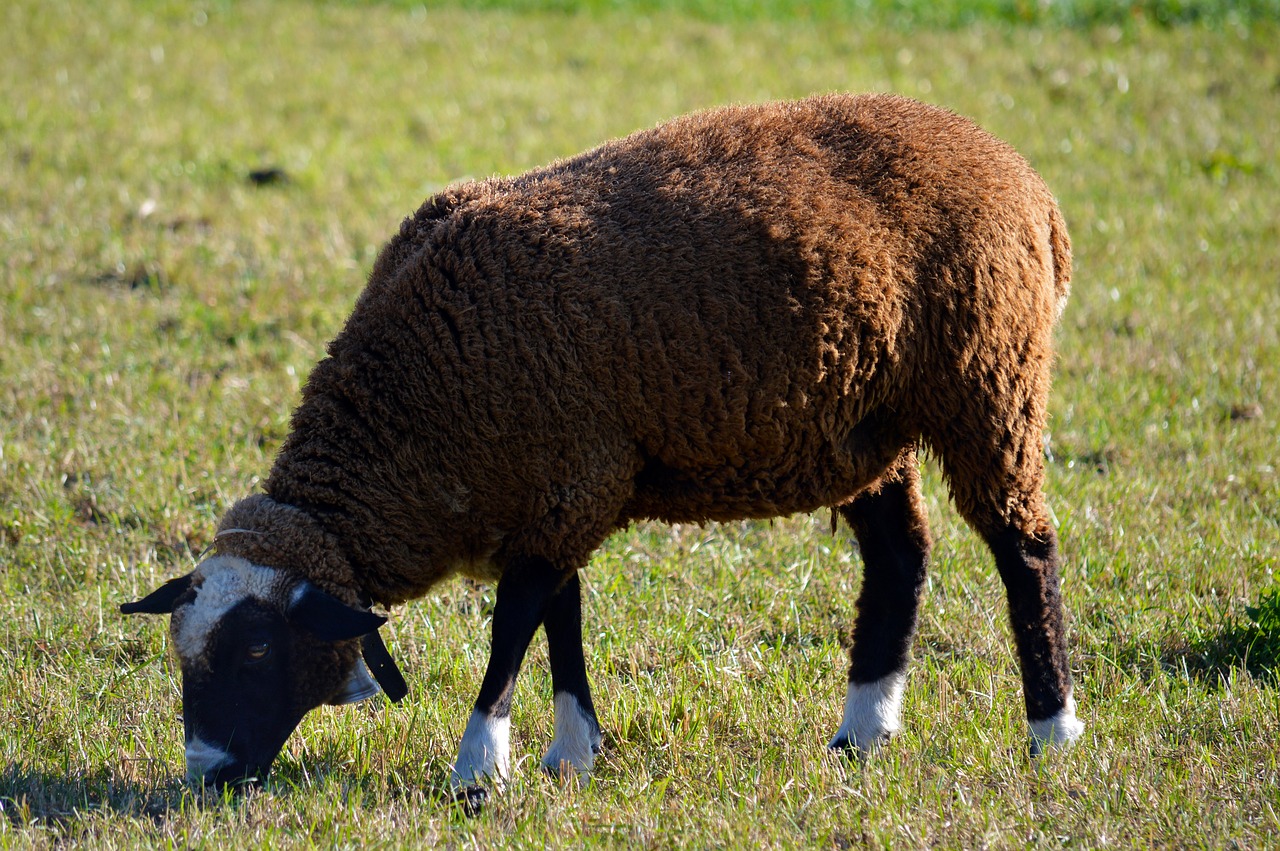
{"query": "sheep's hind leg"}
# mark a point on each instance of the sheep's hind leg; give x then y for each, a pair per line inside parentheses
(577, 731)
(524, 594)
(995, 466)
(1028, 566)
(889, 523)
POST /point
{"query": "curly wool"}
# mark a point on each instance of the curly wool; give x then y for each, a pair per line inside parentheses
(748, 312)
(267, 533)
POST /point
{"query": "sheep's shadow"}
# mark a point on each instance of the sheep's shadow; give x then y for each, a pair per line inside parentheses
(414, 782)
(30, 796)
(1211, 657)
(57, 801)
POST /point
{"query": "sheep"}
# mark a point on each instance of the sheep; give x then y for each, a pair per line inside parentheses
(749, 312)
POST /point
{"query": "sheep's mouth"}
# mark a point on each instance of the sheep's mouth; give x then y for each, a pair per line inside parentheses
(215, 768)
(236, 777)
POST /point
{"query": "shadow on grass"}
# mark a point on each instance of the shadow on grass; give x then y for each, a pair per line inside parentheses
(38, 797)
(1251, 644)
(61, 802)
(383, 780)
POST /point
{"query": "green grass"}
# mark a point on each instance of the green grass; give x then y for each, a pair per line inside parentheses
(159, 312)
(902, 14)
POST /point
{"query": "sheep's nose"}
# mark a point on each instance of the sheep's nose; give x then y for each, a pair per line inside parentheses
(203, 757)
(213, 766)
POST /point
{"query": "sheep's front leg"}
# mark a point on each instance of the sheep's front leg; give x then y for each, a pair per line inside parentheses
(524, 593)
(893, 535)
(577, 735)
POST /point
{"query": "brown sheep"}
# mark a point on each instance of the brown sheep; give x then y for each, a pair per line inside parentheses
(742, 313)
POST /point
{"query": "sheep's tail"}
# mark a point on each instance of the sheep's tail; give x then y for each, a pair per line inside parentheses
(1060, 246)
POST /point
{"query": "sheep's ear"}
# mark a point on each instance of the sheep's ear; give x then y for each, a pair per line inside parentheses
(326, 617)
(161, 600)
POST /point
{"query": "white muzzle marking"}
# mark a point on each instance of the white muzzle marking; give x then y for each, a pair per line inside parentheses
(203, 758)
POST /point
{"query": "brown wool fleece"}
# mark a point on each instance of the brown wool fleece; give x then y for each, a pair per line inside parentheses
(747, 312)
(270, 534)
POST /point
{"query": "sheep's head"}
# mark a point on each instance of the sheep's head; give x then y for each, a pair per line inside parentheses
(259, 648)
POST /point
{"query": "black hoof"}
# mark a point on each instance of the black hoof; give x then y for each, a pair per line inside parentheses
(847, 748)
(472, 800)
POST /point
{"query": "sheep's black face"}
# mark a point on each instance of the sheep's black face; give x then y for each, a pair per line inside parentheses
(241, 701)
(258, 649)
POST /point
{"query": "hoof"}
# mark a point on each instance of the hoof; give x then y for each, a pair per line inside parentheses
(471, 799)
(576, 744)
(558, 770)
(564, 771)
(844, 746)
(871, 712)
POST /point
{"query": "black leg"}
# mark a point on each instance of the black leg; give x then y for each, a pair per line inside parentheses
(1028, 566)
(894, 540)
(988, 432)
(524, 594)
(577, 731)
(893, 535)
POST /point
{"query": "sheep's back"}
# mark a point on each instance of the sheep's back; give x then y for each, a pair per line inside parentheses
(739, 313)
(748, 286)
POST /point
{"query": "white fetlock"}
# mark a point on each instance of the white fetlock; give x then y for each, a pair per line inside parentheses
(1058, 731)
(576, 743)
(871, 713)
(484, 752)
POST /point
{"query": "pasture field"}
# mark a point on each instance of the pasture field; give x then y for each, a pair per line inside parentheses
(160, 308)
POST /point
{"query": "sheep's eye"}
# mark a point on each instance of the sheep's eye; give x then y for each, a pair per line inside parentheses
(257, 652)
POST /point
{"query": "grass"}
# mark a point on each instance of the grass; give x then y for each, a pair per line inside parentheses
(903, 14)
(159, 311)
